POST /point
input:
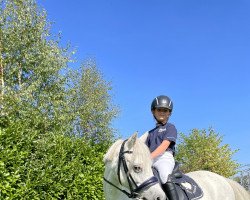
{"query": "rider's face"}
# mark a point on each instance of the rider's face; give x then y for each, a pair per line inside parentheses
(161, 114)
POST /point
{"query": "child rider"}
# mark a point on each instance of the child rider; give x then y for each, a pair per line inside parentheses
(161, 142)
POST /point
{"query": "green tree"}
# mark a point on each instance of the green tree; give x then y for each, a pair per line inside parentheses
(92, 104)
(35, 75)
(44, 110)
(32, 85)
(202, 150)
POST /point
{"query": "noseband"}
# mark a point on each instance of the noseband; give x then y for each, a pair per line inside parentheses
(134, 188)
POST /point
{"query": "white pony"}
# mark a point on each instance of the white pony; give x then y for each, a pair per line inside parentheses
(128, 173)
(135, 180)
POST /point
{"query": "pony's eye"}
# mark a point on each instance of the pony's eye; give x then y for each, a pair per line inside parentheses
(137, 168)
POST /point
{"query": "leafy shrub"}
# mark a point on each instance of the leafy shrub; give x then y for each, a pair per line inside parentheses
(203, 150)
(48, 166)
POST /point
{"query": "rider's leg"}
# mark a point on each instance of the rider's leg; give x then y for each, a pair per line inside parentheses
(170, 190)
(164, 164)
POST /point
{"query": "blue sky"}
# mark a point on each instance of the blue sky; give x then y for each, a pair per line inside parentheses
(197, 52)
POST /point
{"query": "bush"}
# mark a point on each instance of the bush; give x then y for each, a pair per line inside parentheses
(48, 166)
(203, 150)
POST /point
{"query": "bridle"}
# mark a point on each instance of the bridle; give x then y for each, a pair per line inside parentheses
(134, 188)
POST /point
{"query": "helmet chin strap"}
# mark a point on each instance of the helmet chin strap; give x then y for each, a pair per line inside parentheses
(161, 123)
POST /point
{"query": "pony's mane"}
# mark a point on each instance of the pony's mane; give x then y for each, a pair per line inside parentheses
(140, 152)
(112, 151)
(141, 156)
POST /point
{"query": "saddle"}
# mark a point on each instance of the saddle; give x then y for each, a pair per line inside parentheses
(186, 187)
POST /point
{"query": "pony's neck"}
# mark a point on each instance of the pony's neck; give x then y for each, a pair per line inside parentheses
(110, 191)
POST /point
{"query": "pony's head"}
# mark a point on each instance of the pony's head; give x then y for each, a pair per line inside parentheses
(128, 172)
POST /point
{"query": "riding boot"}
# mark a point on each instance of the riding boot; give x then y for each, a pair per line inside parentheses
(170, 190)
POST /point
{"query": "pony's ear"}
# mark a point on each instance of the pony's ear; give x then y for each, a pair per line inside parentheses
(143, 138)
(131, 141)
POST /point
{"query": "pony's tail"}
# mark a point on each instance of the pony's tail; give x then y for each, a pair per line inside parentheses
(239, 191)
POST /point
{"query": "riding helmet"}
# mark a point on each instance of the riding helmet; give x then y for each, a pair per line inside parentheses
(162, 101)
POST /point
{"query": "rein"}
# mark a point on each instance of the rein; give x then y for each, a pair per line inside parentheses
(134, 188)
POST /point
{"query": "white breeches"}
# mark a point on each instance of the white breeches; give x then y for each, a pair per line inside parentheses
(164, 164)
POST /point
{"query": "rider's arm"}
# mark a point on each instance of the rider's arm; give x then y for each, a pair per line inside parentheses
(160, 149)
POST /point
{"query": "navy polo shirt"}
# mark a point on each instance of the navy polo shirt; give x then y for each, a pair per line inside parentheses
(160, 133)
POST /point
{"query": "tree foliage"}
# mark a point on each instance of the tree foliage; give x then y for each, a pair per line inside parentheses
(32, 87)
(92, 104)
(54, 125)
(202, 150)
(35, 76)
(48, 166)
